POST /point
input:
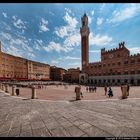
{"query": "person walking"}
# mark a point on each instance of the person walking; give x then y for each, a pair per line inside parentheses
(105, 89)
(128, 88)
(110, 92)
(87, 88)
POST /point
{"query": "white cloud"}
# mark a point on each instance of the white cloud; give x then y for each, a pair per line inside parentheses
(72, 58)
(14, 17)
(72, 40)
(68, 10)
(92, 12)
(43, 27)
(38, 44)
(126, 13)
(16, 46)
(40, 41)
(61, 32)
(69, 29)
(18, 23)
(94, 51)
(102, 7)
(4, 14)
(99, 21)
(99, 40)
(134, 50)
(51, 13)
(69, 33)
(75, 65)
(54, 62)
(56, 46)
(5, 36)
(89, 20)
(72, 22)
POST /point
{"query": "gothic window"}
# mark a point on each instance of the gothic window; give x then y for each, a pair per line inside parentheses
(113, 73)
(104, 65)
(84, 23)
(125, 62)
(138, 72)
(138, 60)
(126, 72)
(132, 72)
(118, 55)
(133, 61)
(119, 63)
(113, 64)
(119, 73)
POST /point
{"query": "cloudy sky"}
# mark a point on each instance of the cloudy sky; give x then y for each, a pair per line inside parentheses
(50, 33)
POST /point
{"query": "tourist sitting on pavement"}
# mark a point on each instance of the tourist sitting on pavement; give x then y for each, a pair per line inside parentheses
(110, 92)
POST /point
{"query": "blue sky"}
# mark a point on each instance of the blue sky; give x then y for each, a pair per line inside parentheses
(50, 33)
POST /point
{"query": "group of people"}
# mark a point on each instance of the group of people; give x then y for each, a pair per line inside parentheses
(91, 88)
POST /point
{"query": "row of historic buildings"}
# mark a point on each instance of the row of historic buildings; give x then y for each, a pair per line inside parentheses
(116, 65)
(17, 68)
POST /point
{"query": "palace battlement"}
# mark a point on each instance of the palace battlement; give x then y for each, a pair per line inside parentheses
(121, 47)
(135, 55)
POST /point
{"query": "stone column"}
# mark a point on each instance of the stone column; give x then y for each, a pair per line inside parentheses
(13, 90)
(124, 91)
(78, 92)
(6, 88)
(33, 93)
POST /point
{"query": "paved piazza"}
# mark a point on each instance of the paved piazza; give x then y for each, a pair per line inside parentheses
(94, 116)
(54, 92)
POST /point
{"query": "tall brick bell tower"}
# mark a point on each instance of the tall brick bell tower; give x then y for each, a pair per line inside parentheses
(84, 31)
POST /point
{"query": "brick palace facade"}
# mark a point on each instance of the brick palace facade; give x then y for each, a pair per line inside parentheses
(116, 65)
(56, 73)
(17, 68)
